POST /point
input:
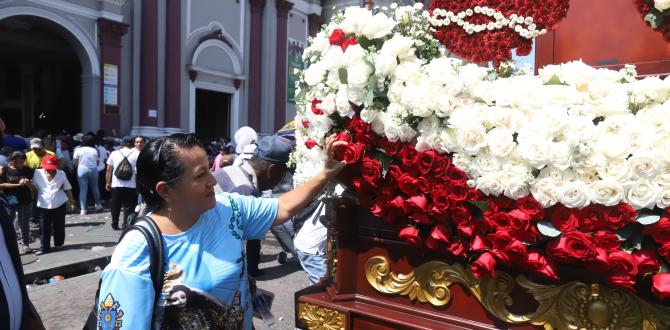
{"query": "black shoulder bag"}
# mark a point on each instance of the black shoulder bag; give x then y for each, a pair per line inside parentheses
(154, 239)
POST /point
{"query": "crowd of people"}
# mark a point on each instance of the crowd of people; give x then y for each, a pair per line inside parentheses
(41, 175)
(213, 204)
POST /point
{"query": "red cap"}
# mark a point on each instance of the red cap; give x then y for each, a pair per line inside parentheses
(50, 163)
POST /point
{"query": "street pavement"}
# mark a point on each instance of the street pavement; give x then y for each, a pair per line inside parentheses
(90, 242)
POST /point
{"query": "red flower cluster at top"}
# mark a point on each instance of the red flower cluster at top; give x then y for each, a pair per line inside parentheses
(644, 7)
(497, 45)
(339, 38)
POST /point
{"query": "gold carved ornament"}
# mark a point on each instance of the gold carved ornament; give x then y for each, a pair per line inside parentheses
(320, 318)
(573, 305)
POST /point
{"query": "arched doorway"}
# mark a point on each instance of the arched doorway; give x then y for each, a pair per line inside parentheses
(49, 73)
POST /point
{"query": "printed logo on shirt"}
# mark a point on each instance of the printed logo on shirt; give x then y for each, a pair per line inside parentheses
(110, 314)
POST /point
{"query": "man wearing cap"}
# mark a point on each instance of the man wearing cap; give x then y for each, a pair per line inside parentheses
(34, 157)
(263, 171)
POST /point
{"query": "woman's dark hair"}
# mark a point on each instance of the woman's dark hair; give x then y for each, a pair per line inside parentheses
(17, 155)
(160, 161)
(88, 141)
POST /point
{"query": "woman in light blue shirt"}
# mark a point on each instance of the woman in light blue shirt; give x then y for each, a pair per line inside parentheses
(206, 284)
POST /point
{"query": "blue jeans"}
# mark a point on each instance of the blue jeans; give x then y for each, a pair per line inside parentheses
(315, 265)
(87, 178)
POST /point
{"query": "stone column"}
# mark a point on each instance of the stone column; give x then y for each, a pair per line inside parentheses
(173, 68)
(314, 22)
(91, 86)
(283, 7)
(110, 33)
(255, 63)
(149, 64)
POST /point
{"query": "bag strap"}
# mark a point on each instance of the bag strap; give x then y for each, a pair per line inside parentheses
(154, 238)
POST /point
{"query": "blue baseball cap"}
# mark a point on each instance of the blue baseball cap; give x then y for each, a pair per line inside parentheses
(274, 149)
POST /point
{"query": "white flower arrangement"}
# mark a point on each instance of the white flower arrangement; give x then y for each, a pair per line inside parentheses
(573, 134)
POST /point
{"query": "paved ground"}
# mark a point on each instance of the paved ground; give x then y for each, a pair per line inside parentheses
(89, 239)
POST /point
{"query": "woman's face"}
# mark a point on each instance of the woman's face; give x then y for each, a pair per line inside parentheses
(18, 163)
(195, 190)
(139, 143)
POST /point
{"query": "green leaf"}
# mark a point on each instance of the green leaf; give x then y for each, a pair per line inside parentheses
(625, 232)
(554, 80)
(654, 18)
(482, 205)
(342, 72)
(547, 228)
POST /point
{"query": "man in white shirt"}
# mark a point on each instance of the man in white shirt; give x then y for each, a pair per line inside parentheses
(124, 192)
(310, 245)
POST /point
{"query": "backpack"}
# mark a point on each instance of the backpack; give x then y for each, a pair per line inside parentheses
(124, 171)
(154, 239)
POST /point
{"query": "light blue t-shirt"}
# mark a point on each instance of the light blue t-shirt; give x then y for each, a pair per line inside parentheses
(205, 280)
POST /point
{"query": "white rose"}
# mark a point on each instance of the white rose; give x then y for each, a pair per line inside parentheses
(500, 142)
(358, 75)
(516, 186)
(385, 65)
(314, 74)
(536, 152)
(615, 169)
(342, 100)
(491, 184)
(663, 177)
(462, 162)
(378, 124)
(320, 125)
(546, 192)
(368, 115)
(471, 138)
(327, 104)
(355, 95)
(355, 19)
(354, 55)
(398, 46)
(612, 146)
(333, 58)
(575, 195)
(333, 79)
(606, 192)
(643, 194)
(407, 71)
(485, 164)
(407, 133)
(645, 165)
(561, 155)
(557, 176)
(392, 132)
(664, 199)
(379, 26)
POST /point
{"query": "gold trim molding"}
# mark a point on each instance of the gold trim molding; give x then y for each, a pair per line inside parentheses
(573, 305)
(320, 318)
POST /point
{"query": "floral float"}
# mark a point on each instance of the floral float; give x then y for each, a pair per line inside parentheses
(657, 15)
(496, 166)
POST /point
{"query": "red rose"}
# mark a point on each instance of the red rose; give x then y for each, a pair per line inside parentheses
(460, 215)
(408, 184)
(408, 156)
(457, 248)
(478, 244)
(424, 185)
(659, 231)
(337, 37)
(416, 207)
(500, 239)
(394, 209)
(440, 206)
(591, 217)
(531, 206)
(310, 143)
(372, 172)
(607, 240)
(573, 247)
(378, 209)
(456, 177)
(484, 266)
(646, 261)
(538, 264)
(618, 216)
(305, 123)
(601, 262)
(366, 139)
(439, 236)
(348, 42)
(501, 204)
(410, 235)
(343, 136)
(425, 161)
(522, 227)
(498, 221)
(351, 153)
(664, 251)
(517, 250)
(623, 263)
(441, 166)
(661, 285)
(564, 219)
(622, 281)
(357, 125)
(391, 148)
(316, 110)
(458, 193)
